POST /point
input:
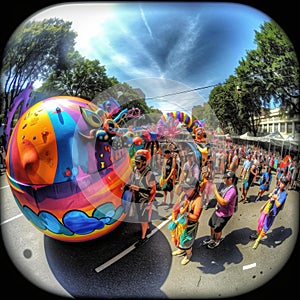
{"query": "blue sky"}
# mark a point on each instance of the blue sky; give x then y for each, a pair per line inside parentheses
(164, 47)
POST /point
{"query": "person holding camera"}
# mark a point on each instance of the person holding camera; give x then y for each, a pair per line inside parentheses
(225, 208)
(143, 187)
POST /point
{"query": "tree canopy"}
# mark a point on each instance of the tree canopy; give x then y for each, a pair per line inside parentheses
(267, 76)
(34, 51)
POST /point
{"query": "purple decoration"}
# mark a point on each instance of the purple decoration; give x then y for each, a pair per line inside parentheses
(23, 96)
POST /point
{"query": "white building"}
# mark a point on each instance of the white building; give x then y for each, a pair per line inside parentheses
(289, 127)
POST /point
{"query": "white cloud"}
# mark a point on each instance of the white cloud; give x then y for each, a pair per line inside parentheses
(87, 20)
(167, 95)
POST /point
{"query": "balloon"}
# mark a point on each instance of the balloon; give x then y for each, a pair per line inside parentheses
(180, 116)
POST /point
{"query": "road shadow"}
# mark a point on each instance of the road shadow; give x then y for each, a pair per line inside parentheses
(276, 237)
(213, 261)
(138, 274)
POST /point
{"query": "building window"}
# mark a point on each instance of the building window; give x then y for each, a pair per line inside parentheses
(276, 127)
(297, 127)
(289, 127)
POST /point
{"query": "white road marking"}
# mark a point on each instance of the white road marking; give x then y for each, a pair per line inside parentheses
(249, 266)
(4, 187)
(11, 219)
(130, 248)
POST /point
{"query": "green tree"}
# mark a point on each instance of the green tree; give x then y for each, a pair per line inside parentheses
(274, 68)
(35, 50)
(128, 97)
(269, 74)
(249, 97)
(225, 102)
(82, 78)
(204, 111)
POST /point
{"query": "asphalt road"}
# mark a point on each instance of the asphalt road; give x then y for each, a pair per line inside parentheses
(111, 266)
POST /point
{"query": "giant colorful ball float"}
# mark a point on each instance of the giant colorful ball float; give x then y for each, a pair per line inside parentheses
(66, 164)
(64, 172)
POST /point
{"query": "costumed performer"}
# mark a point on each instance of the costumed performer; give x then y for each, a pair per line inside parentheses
(185, 219)
(143, 185)
(270, 210)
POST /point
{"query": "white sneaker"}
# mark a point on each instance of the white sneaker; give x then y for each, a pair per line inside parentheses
(186, 259)
(207, 241)
(178, 252)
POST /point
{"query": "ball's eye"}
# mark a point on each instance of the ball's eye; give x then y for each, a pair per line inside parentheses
(91, 117)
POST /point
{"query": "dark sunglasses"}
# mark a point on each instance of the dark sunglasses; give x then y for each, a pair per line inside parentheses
(137, 162)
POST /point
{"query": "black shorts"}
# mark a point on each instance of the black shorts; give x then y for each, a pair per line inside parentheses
(142, 211)
(169, 186)
(218, 223)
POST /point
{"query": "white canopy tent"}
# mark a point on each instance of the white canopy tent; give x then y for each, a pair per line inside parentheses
(275, 139)
(273, 136)
(248, 137)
